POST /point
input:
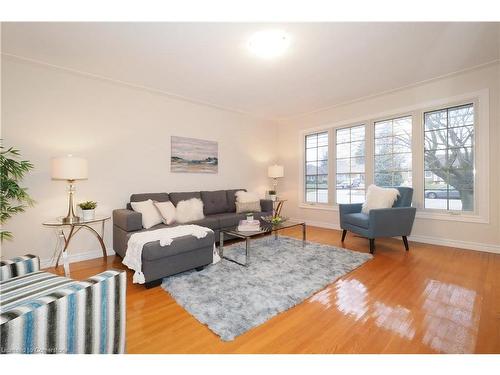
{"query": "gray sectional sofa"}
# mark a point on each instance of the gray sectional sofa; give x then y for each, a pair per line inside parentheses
(188, 252)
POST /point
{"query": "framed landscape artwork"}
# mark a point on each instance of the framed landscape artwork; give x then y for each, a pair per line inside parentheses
(191, 155)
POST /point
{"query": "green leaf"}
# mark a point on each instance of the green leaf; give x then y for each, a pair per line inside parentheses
(14, 198)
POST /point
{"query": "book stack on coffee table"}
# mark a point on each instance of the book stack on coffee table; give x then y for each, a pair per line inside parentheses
(249, 226)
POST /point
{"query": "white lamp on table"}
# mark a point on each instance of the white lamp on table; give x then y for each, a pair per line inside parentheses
(70, 168)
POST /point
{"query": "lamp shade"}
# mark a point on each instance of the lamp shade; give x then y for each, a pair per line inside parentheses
(69, 168)
(275, 171)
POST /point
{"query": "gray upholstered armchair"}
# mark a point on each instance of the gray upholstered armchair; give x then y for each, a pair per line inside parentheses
(383, 222)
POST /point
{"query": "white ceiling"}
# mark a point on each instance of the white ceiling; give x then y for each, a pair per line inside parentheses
(327, 64)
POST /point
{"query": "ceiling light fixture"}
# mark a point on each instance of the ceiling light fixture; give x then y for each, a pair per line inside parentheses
(268, 44)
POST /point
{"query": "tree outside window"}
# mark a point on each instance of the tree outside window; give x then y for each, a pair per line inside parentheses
(449, 158)
(393, 157)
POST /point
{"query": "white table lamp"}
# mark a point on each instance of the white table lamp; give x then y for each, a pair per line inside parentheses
(70, 168)
(275, 171)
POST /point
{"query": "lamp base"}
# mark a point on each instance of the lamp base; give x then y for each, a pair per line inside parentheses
(71, 217)
(70, 220)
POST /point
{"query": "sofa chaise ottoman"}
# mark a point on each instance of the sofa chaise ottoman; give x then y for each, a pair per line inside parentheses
(185, 253)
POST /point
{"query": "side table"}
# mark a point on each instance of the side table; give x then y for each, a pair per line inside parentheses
(277, 206)
(74, 228)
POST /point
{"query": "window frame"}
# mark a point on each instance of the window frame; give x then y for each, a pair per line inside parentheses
(411, 115)
(476, 212)
(305, 148)
(480, 100)
(334, 163)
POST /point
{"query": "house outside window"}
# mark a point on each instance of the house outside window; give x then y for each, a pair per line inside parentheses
(350, 164)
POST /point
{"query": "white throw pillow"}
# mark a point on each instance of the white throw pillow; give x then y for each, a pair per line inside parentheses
(167, 211)
(377, 197)
(246, 197)
(248, 207)
(150, 214)
(189, 210)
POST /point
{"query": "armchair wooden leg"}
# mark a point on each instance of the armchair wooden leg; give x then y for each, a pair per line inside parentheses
(372, 245)
(344, 232)
(405, 241)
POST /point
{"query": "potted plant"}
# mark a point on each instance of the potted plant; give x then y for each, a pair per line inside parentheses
(88, 210)
(13, 198)
(272, 195)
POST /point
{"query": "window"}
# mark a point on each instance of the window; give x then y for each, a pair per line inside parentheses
(317, 168)
(350, 172)
(449, 158)
(392, 163)
(438, 147)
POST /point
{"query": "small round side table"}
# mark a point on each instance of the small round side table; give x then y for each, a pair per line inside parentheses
(74, 228)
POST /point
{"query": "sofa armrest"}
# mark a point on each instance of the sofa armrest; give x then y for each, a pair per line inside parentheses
(18, 266)
(266, 205)
(127, 220)
(391, 222)
(98, 302)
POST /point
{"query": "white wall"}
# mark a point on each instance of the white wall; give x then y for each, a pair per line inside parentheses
(460, 234)
(124, 133)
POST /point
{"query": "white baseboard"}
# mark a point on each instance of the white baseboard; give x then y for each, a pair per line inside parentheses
(72, 258)
(468, 245)
(320, 224)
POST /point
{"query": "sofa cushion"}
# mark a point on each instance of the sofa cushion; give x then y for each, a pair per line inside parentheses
(214, 202)
(175, 198)
(207, 222)
(167, 211)
(190, 210)
(246, 197)
(150, 214)
(185, 244)
(159, 226)
(159, 197)
(231, 199)
(228, 219)
(359, 219)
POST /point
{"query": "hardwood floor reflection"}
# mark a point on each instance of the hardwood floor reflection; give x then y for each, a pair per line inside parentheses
(432, 299)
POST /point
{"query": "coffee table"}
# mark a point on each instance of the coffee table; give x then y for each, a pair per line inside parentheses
(265, 228)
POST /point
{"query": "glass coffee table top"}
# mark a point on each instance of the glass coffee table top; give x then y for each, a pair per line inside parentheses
(264, 228)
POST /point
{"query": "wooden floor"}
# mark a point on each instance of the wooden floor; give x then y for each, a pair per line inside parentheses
(432, 299)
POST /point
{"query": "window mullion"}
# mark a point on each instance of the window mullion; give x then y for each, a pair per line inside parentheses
(332, 166)
(418, 164)
(369, 153)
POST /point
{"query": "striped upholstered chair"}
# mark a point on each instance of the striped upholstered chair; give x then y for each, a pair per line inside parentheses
(41, 312)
